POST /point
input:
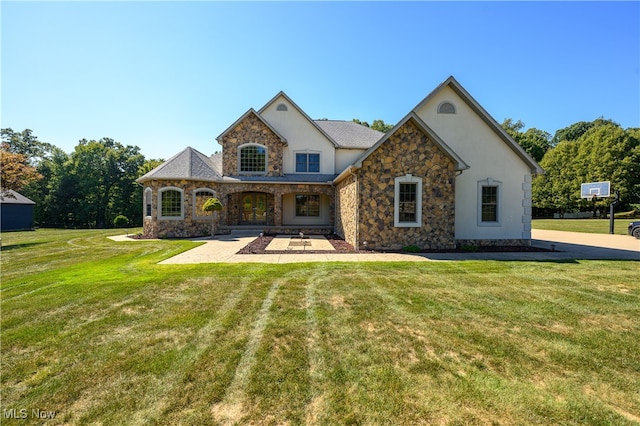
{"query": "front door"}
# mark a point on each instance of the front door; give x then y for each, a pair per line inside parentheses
(254, 208)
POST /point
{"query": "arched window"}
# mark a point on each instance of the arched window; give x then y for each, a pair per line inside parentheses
(200, 196)
(252, 159)
(170, 201)
(446, 108)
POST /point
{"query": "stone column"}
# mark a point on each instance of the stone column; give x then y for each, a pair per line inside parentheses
(277, 208)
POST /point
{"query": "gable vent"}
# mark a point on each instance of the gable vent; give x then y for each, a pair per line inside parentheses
(282, 107)
(446, 108)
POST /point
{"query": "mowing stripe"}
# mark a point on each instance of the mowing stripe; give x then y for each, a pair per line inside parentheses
(231, 409)
(55, 284)
(316, 360)
(205, 337)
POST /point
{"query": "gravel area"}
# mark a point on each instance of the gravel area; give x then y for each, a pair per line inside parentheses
(259, 245)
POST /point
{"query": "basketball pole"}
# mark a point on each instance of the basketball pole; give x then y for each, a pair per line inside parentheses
(615, 201)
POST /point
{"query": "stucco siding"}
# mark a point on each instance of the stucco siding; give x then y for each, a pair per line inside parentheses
(301, 135)
(489, 158)
(346, 157)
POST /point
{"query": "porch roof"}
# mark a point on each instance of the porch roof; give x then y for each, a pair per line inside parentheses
(189, 164)
(286, 179)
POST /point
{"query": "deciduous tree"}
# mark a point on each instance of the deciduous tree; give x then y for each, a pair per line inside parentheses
(15, 170)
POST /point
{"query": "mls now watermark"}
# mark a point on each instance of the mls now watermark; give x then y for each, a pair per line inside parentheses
(23, 413)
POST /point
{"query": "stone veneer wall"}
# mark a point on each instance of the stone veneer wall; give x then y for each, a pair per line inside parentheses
(407, 151)
(177, 228)
(251, 130)
(230, 196)
(346, 209)
(494, 243)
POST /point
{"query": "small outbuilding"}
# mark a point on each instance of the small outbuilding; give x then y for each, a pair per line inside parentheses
(16, 211)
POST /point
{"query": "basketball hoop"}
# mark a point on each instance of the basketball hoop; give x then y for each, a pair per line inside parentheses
(594, 198)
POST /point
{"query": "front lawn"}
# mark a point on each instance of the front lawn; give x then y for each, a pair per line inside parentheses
(98, 333)
(592, 226)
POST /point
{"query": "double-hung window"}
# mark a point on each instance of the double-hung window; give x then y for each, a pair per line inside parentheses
(307, 162)
(408, 202)
(489, 204)
(489, 194)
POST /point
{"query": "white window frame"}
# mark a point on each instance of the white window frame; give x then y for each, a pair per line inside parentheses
(163, 190)
(490, 182)
(196, 211)
(396, 201)
(266, 159)
(307, 152)
(148, 192)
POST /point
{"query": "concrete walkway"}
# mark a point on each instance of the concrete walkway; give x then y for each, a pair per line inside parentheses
(566, 246)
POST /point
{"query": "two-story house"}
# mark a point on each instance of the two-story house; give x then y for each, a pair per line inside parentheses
(446, 174)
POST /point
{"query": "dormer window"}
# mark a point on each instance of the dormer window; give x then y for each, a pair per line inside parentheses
(446, 108)
(252, 159)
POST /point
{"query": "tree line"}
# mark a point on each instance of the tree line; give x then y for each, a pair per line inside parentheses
(88, 188)
(587, 151)
(95, 183)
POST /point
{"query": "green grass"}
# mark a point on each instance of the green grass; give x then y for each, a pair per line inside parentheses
(99, 333)
(592, 226)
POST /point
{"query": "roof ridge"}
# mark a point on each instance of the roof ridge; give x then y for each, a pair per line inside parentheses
(301, 111)
(484, 115)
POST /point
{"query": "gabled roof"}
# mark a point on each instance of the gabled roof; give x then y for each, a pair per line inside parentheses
(348, 134)
(188, 164)
(484, 115)
(304, 114)
(10, 196)
(245, 115)
(459, 163)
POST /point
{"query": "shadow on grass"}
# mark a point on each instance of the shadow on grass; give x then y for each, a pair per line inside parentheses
(18, 246)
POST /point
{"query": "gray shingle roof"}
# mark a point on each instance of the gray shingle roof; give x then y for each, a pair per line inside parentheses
(188, 164)
(12, 197)
(348, 134)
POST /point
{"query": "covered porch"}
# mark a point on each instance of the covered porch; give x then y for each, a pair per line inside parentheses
(284, 209)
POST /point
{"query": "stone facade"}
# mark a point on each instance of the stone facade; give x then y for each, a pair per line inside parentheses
(408, 151)
(231, 197)
(251, 130)
(493, 243)
(230, 194)
(347, 209)
(190, 225)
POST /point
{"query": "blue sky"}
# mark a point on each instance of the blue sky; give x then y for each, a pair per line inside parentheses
(166, 75)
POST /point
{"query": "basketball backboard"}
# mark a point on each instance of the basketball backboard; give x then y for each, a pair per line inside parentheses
(595, 189)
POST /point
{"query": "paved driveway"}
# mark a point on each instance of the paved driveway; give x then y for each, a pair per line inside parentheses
(581, 245)
(565, 246)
